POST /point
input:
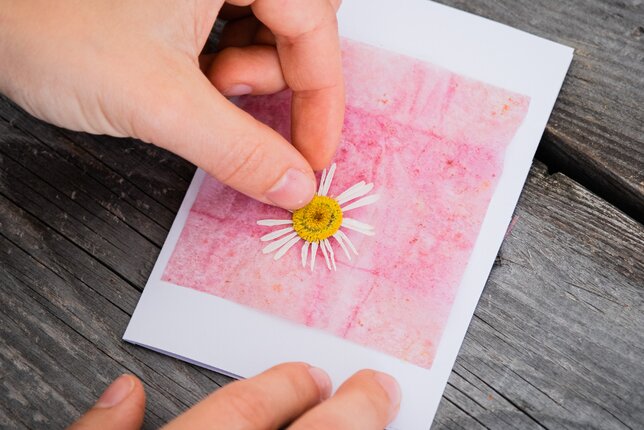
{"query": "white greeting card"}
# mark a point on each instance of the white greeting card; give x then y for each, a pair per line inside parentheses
(384, 269)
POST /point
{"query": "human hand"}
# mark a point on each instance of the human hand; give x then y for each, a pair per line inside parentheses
(132, 68)
(291, 394)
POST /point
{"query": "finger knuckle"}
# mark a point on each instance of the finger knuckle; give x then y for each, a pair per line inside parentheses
(250, 408)
(240, 164)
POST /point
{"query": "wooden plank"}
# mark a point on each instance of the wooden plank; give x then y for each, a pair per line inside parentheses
(63, 335)
(156, 196)
(72, 268)
(71, 205)
(596, 132)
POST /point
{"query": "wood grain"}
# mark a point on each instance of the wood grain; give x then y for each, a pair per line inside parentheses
(65, 308)
(596, 132)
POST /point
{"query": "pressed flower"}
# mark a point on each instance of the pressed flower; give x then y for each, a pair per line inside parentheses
(319, 221)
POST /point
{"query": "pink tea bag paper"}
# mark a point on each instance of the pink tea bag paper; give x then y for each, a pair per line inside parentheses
(433, 144)
(447, 152)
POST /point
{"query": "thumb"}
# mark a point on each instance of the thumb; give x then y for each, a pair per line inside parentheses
(189, 117)
(121, 406)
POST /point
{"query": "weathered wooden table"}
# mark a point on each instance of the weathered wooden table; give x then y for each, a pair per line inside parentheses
(557, 340)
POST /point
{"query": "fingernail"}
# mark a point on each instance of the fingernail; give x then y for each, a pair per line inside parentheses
(391, 387)
(292, 191)
(323, 382)
(116, 392)
(238, 90)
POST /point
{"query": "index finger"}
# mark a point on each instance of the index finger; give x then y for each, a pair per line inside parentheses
(308, 45)
(373, 395)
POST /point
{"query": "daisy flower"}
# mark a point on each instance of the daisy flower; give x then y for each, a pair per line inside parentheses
(319, 221)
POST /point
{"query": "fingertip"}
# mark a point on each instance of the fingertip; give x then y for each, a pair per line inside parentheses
(322, 159)
(236, 90)
(323, 382)
(317, 122)
(392, 389)
(116, 392)
(293, 190)
(139, 390)
(237, 71)
(376, 395)
(381, 388)
(136, 396)
(320, 377)
(122, 405)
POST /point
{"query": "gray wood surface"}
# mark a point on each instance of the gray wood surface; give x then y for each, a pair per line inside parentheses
(556, 342)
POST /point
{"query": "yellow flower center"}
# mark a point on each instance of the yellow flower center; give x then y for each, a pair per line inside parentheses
(318, 220)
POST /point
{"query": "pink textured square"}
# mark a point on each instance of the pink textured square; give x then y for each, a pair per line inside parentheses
(433, 142)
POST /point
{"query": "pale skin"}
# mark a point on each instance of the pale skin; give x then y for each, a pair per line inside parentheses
(133, 68)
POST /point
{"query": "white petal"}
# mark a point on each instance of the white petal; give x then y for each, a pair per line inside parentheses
(322, 178)
(314, 251)
(358, 192)
(329, 178)
(355, 222)
(326, 255)
(350, 189)
(305, 252)
(338, 238)
(286, 247)
(362, 202)
(358, 226)
(360, 230)
(331, 254)
(346, 239)
(278, 243)
(276, 234)
(274, 222)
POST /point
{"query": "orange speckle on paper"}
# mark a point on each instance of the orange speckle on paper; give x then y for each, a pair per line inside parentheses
(278, 288)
